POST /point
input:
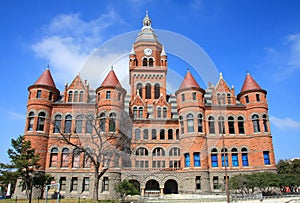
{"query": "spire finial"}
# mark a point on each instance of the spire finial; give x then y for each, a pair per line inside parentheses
(48, 66)
(221, 75)
(112, 67)
(147, 21)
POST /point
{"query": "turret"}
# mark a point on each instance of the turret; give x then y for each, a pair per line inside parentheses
(42, 94)
(110, 101)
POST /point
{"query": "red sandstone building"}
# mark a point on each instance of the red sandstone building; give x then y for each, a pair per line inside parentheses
(180, 141)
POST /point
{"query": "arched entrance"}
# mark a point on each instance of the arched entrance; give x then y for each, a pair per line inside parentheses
(171, 187)
(136, 184)
(152, 187)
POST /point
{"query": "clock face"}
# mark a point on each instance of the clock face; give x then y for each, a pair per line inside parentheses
(148, 51)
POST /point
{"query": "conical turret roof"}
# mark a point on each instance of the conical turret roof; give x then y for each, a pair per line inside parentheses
(111, 80)
(46, 79)
(250, 84)
(189, 81)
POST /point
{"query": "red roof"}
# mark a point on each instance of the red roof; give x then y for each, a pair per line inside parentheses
(189, 81)
(111, 80)
(250, 84)
(46, 79)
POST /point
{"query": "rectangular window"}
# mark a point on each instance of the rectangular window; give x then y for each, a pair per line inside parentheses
(50, 96)
(197, 161)
(214, 160)
(247, 98)
(182, 97)
(216, 182)
(194, 95)
(267, 158)
(198, 182)
(86, 184)
(187, 160)
(153, 134)
(63, 181)
(257, 97)
(245, 159)
(38, 94)
(107, 94)
(105, 184)
(174, 164)
(223, 161)
(74, 184)
(235, 160)
(119, 96)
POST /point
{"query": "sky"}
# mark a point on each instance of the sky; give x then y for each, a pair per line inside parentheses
(256, 36)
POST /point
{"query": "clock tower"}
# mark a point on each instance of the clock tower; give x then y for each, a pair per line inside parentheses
(147, 65)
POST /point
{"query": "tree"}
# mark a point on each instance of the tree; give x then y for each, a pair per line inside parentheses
(24, 161)
(101, 146)
(125, 188)
(289, 175)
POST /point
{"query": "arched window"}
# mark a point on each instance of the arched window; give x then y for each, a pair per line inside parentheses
(170, 134)
(158, 112)
(70, 96)
(112, 122)
(177, 134)
(57, 124)
(200, 123)
(145, 134)
(135, 112)
(181, 125)
(140, 112)
(245, 157)
(165, 112)
(153, 134)
(87, 159)
(65, 157)
(76, 158)
(148, 91)
(234, 157)
(76, 96)
(145, 62)
(41, 121)
(142, 151)
(89, 124)
(78, 124)
(137, 133)
(151, 62)
(102, 122)
(231, 125)
(265, 123)
(221, 125)
(158, 152)
(68, 124)
(241, 125)
(255, 121)
(211, 125)
(53, 157)
(175, 151)
(190, 122)
(156, 91)
(30, 121)
(214, 158)
(139, 89)
(224, 152)
(162, 134)
(81, 96)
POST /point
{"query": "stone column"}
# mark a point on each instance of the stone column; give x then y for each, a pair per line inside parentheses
(161, 191)
(142, 191)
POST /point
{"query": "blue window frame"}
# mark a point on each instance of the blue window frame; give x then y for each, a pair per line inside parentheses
(267, 158)
(235, 159)
(197, 161)
(214, 160)
(187, 160)
(223, 165)
(245, 159)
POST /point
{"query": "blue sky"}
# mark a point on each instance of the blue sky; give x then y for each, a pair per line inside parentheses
(262, 37)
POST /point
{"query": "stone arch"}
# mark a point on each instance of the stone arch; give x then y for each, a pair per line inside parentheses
(152, 184)
(171, 187)
(136, 184)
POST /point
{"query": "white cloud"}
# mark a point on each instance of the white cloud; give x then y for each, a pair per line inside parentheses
(16, 116)
(285, 123)
(68, 40)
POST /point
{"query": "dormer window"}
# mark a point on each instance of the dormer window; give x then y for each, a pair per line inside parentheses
(38, 94)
